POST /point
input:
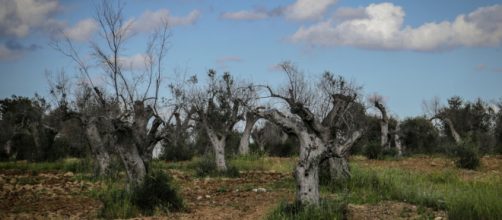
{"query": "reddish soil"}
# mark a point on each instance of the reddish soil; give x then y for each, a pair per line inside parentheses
(45, 196)
(237, 198)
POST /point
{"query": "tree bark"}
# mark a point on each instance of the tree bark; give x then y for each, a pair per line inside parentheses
(98, 148)
(339, 169)
(218, 142)
(384, 126)
(307, 169)
(454, 133)
(135, 167)
(397, 141)
(244, 143)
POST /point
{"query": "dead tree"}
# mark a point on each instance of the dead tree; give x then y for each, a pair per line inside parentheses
(219, 106)
(434, 109)
(319, 134)
(377, 102)
(120, 120)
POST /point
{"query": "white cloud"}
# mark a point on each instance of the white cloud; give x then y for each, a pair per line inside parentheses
(245, 15)
(134, 62)
(307, 9)
(383, 29)
(19, 17)
(83, 30)
(153, 19)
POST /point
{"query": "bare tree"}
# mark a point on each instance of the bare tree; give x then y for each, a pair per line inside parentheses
(377, 101)
(318, 132)
(121, 120)
(435, 110)
(219, 106)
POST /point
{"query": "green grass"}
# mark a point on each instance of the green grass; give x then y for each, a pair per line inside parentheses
(438, 190)
(327, 209)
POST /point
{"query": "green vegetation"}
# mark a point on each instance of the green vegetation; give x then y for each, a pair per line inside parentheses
(328, 209)
(468, 157)
(437, 190)
(207, 167)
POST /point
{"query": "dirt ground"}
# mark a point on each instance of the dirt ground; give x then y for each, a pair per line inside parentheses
(45, 196)
(57, 195)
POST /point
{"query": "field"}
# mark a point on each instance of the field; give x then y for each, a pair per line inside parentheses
(419, 187)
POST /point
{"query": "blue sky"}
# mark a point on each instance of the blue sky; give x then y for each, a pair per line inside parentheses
(407, 51)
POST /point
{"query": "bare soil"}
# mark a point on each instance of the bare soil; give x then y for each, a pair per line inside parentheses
(45, 196)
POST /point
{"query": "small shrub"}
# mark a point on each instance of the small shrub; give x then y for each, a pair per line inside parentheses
(116, 204)
(468, 157)
(173, 153)
(373, 151)
(157, 191)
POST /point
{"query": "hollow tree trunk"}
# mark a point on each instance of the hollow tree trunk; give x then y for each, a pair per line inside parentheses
(244, 143)
(218, 142)
(339, 169)
(98, 148)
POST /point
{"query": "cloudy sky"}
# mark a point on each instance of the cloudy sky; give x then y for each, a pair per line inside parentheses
(407, 51)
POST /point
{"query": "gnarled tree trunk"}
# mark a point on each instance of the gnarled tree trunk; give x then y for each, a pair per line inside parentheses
(98, 147)
(244, 143)
(307, 169)
(218, 142)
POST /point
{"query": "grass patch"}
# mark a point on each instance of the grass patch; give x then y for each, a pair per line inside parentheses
(327, 209)
(156, 196)
(438, 190)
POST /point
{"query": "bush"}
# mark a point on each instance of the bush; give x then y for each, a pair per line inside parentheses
(173, 153)
(207, 167)
(156, 191)
(373, 151)
(468, 156)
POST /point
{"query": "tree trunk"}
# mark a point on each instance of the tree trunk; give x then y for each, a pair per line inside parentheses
(218, 142)
(307, 169)
(397, 140)
(98, 148)
(244, 143)
(384, 135)
(133, 163)
(339, 169)
(454, 134)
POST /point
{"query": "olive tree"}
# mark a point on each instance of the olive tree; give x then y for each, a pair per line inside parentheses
(121, 115)
(315, 116)
(219, 105)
